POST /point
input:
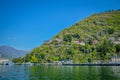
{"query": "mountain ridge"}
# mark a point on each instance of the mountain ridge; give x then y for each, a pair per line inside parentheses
(10, 52)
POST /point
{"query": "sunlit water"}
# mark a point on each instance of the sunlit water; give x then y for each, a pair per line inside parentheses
(27, 72)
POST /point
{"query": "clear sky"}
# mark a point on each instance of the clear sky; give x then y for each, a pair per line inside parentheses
(25, 24)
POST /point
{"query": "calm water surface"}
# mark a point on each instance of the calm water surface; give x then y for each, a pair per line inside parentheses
(27, 72)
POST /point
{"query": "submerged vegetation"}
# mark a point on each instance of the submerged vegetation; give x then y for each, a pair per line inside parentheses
(94, 38)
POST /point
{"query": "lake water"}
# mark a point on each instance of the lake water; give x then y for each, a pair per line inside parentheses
(28, 72)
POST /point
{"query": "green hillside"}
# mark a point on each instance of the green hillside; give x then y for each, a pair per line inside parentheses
(94, 38)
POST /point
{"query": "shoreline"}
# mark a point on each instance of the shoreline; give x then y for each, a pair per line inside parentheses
(68, 64)
(116, 64)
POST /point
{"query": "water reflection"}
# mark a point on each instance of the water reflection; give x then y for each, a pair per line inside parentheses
(26, 72)
(14, 72)
(74, 73)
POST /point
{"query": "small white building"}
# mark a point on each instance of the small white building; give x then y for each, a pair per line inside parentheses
(4, 61)
(115, 59)
(82, 43)
(117, 41)
(59, 40)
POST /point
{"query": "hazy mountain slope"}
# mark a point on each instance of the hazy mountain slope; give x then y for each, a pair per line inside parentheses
(10, 52)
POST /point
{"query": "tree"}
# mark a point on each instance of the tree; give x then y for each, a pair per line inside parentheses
(67, 38)
(34, 59)
(17, 60)
(105, 47)
(90, 41)
(14, 60)
(117, 48)
(109, 30)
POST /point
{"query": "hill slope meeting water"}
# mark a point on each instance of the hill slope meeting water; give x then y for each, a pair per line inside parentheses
(96, 38)
(10, 52)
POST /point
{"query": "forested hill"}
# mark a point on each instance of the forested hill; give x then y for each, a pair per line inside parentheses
(94, 38)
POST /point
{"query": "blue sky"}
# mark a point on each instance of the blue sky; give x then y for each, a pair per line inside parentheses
(26, 24)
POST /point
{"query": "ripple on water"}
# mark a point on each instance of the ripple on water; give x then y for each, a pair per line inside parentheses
(59, 73)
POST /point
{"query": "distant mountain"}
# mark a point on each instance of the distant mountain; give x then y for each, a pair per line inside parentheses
(10, 52)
